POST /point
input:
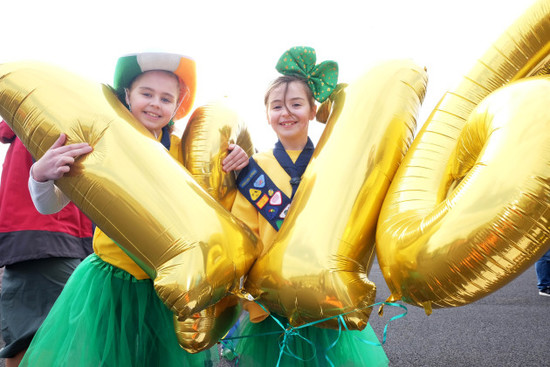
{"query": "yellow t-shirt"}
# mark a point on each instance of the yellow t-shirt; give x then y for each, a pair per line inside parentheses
(109, 251)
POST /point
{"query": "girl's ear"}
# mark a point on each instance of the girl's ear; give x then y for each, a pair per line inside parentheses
(313, 111)
(126, 96)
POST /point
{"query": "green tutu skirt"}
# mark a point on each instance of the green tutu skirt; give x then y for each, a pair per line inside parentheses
(106, 317)
(314, 347)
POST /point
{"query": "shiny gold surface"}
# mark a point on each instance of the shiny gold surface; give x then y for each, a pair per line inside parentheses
(203, 329)
(318, 264)
(208, 133)
(466, 210)
(192, 247)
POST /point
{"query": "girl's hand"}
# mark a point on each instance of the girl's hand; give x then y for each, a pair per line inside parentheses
(58, 160)
(237, 159)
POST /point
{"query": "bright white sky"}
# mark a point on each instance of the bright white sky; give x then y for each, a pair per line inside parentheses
(237, 43)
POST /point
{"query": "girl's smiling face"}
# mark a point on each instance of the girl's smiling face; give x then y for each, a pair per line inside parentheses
(289, 112)
(153, 98)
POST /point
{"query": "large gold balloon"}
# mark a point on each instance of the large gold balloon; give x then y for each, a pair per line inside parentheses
(462, 217)
(209, 131)
(192, 248)
(317, 266)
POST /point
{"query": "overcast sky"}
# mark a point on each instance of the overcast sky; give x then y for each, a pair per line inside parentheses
(237, 43)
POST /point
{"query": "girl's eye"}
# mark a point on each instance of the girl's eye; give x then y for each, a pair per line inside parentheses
(167, 100)
(145, 94)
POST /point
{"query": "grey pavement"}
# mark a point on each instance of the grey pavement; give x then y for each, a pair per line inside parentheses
(510, 327)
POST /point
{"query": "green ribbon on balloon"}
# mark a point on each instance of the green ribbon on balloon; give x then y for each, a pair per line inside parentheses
(300, 61)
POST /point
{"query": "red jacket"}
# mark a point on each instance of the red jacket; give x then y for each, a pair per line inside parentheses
(26, 234)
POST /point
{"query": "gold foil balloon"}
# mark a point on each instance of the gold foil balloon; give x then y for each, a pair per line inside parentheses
(205, 328)
(317, 266)
(191, 247)
(465, 215)
(208, 133)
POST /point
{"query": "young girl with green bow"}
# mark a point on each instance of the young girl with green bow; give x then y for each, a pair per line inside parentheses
(290, 105)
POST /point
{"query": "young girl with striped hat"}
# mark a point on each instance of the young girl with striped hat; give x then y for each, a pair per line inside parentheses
(109, 314)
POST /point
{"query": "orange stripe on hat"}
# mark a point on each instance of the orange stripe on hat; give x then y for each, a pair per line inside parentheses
(186, 71)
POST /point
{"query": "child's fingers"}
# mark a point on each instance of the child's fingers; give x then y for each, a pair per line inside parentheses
(58, 159)
(59, 142)
(74, 149)
(228, 167)
(231, 156)
(234, 165)
(61, 170)
(68, 158)
(228, 160)
(236, 159)
(242, 164)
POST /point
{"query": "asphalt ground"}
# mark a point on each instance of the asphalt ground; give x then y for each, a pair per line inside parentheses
(510, 327)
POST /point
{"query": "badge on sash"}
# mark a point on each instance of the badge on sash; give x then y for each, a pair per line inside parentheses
(258, 189)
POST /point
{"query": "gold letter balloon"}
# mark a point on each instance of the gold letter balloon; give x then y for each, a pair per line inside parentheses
(317, 266)
(211, 128)
(468, 208)
(209, 131)
(142, 198)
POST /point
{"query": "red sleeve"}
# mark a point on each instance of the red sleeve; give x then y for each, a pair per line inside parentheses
(6, 133)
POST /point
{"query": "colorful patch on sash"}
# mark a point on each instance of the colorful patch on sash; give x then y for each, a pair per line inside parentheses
(254, 194)
(271, 212)
(261, 203)
(276, 199)
(258, 188)
(284, 212)
(260, 182)
(246, 179)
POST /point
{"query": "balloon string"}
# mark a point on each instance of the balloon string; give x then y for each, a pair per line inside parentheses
(291, 331)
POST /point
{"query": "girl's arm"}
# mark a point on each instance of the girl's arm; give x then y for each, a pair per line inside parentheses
(57, 161)
(47, 198)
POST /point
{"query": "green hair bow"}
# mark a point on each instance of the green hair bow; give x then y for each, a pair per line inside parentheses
(322, 78)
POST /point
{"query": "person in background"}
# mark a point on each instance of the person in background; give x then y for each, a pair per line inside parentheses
(39, 252)
(542, 268)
